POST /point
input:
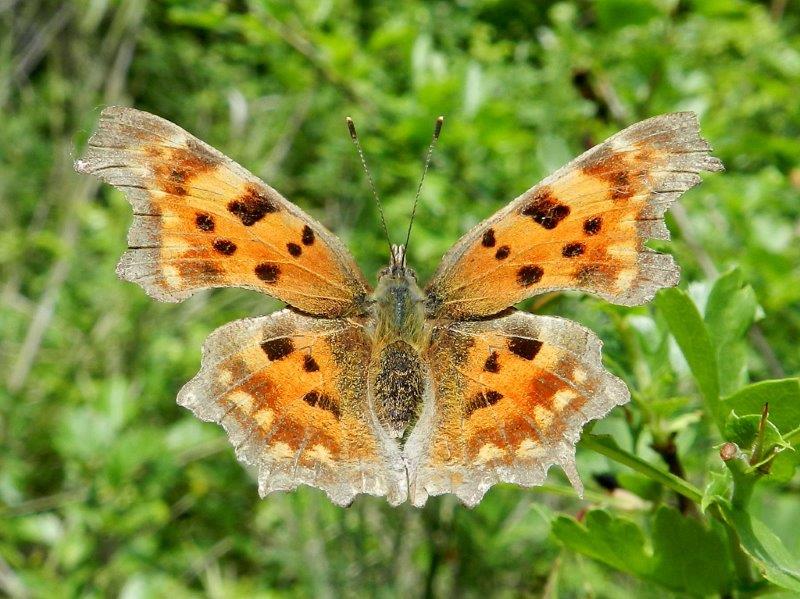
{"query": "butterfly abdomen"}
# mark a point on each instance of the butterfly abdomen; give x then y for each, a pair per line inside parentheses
(398, 387)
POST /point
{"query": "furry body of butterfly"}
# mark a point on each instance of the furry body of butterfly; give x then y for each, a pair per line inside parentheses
(399, 340)
(404, 392)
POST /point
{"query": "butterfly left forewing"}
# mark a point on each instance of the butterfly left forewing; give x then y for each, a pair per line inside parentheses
(201, 220)
(510, 398)
(582, 228)
(290, 390)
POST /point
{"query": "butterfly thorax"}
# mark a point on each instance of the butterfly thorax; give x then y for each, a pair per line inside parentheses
(396, 371)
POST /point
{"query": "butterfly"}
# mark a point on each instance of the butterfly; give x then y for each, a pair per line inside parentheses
(403, 391)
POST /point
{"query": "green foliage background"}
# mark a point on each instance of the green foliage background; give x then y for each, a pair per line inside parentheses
(109, 488)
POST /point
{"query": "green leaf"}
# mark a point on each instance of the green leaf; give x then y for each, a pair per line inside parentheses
(783, 396)
(682, 554)
(718, 489)
(743, 430)
(617, 542)
(690, 333)
(607, 446)
(731, 308)
(765, 548)
(689, 556)
(730, 311)
(784, 465)
(644, 487)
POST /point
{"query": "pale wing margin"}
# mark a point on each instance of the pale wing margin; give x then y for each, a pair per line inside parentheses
(278, 410)
(437, 452)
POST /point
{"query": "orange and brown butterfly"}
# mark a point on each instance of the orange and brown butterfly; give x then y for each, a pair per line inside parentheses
(401, 391)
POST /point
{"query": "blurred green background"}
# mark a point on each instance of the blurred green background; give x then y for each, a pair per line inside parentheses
(107, 487)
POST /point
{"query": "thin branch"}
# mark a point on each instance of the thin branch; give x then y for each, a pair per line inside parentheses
(679, 485)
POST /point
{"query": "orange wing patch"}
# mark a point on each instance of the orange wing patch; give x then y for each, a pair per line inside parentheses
(584, 227)
(201, 220)
(512, 395)
(291, 393)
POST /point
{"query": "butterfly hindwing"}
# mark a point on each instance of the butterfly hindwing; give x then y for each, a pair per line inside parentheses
(201, 220)
(582, 228)
(511, 396)
(290, 390)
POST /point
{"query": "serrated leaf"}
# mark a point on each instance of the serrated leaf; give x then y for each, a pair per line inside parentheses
(617, 542)
(688, 556)
(682, 554)
(689, 331)
(783, 396)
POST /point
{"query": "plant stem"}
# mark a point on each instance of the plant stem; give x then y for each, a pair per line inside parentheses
(611, 450)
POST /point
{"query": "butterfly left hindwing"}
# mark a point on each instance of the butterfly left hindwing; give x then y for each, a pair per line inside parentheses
(512, 395)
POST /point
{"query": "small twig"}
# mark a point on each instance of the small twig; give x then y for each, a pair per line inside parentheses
(40, 43)
(776, 9)
(42, 504)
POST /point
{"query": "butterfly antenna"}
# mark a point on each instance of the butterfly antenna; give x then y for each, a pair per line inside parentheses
(354, 136)
(436, 131)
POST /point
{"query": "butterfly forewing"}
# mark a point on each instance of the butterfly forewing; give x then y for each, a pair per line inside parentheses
(290, 391)
(201, 220)
(582, 228)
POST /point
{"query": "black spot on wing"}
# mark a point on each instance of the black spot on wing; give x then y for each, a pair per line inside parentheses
(592, 226)
(204, 222)
(529, 274)
(251, 207)
(523, 347)
(491, 364)
(278, 349)
(482, 399)
(224, 246)
(571, 250)
(268, 272)
(323, 401)
(502, 252)
(545, 209)
(310, 364)
(308, 235)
